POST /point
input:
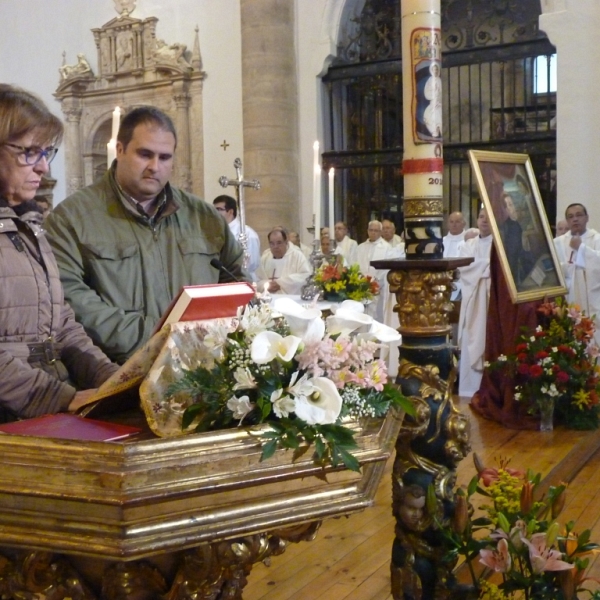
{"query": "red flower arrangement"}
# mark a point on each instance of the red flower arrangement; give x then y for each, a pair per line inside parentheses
(558, 362)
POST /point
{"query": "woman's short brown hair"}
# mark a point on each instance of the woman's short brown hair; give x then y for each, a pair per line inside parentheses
(22, 112)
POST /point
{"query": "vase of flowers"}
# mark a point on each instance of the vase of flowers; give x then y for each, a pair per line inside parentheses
(339, 283)
(514, 546)
(283, 366)
(557, 365)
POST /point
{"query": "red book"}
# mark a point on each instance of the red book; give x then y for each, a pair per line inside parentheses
(69, 427)
(201, 302)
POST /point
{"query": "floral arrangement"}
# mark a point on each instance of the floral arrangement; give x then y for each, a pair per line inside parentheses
(347, 283)
(525, 552)
(289, 368)
(558, 363)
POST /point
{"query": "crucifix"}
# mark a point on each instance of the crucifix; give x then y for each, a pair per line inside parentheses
(225, 145)
(240, 183)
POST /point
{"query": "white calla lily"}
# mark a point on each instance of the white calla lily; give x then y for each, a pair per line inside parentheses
(384, 333)
(323, 406)
(346, 321)
(269, 345)
(306, 323)
(352, 305)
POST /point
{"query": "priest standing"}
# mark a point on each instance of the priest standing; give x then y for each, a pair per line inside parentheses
(476, 281)
(578, 252)
(345, 245)
(456, 234)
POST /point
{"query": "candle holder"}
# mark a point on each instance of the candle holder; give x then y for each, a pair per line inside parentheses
(311, 290)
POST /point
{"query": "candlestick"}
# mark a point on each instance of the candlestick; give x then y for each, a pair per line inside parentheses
(331, 200)
(116, 123)
(111, 152)
(317, 190)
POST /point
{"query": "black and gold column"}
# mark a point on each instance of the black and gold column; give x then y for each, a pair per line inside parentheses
(431, 444)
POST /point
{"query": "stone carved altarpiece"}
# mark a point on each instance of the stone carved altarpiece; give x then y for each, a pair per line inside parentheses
(134, 68)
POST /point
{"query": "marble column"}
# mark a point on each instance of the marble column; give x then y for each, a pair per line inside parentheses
(270, 113)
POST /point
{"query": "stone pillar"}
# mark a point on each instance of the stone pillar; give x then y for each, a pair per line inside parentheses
(270, 111)
(72, 146)
(573, 27)
(183, 174)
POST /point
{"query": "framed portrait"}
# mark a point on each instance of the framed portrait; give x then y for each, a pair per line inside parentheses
(519, 224)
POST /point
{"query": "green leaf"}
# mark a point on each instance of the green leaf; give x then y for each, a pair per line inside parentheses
(349, 460)
(269, 449)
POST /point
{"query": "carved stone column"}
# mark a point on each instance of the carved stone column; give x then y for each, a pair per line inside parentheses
(182, 126)
(72, 145)
(270, 108)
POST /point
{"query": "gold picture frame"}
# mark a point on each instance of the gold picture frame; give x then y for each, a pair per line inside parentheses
(522, 235)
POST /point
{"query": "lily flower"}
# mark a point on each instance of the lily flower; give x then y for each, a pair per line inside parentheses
(240, 407)
(282, 405)
(323, 406)
(305, 323)
(497, 559)
(244, 379)
(543, 558)
(269, 345)
(346, 321)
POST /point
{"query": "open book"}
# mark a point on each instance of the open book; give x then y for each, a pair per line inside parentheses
(193, 303)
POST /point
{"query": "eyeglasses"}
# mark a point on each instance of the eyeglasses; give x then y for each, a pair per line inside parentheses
(221, 208)
(33, 154)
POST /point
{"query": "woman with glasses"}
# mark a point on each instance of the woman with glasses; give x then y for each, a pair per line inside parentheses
(45, 355)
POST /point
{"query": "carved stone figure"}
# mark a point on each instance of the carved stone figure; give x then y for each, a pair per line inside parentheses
(81, 68)
(124, 7)
(171, 54)
(123, 52)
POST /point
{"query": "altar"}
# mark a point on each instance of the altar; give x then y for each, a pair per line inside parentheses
(182, 517)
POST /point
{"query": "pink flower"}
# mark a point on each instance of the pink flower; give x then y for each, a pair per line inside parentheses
(543, 558)
(496, 559)
(342, 377)
(377, 375)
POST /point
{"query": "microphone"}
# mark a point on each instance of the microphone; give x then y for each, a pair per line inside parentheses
(217, 264)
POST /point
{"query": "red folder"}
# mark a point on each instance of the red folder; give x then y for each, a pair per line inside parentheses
(69, 427)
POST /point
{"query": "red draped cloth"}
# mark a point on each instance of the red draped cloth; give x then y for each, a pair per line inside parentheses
(495, 398)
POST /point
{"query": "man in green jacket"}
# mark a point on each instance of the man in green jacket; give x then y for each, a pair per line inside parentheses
(127, 244)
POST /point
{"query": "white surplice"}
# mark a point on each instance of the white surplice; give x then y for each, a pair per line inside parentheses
(581, 269)
(476, 281)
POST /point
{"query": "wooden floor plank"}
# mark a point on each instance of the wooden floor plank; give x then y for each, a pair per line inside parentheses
(349, 560)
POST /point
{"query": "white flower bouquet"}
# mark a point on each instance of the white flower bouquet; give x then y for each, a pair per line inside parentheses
(286, 366)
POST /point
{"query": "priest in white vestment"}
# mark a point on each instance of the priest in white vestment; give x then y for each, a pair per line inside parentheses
(344, 245)
(227, 206)
(284, 269)
(456, 234)
(476, 282)
(388, 233)
(375, 248)
(578, 253)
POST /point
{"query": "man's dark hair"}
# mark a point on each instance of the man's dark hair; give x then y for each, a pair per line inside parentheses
(144, 115)
(576, 204)
(229, 202)
(281, 230)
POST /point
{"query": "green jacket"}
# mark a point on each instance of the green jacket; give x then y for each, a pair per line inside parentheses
(120, 270)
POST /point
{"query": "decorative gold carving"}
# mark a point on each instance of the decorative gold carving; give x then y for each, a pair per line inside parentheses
(423, 207)
(423, 300)
(41, 575)
(209, 571)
